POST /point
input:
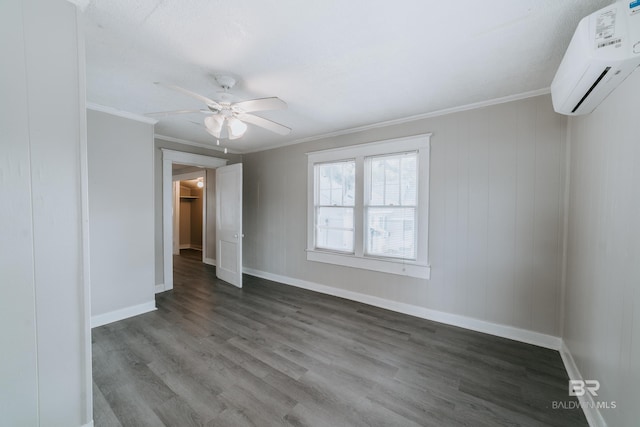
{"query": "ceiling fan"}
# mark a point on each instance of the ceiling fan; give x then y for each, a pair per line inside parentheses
(227, 119)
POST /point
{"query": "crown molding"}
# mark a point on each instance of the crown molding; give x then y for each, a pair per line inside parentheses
(195, 144)
(120, 113)
(475, 105)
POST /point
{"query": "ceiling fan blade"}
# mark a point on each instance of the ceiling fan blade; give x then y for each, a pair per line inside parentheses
(167, 113)
(264, 123)
(204, 99)
(260, 104)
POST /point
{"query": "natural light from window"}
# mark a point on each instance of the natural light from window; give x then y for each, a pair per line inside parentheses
(335, 198)
(391, 205)
(368, 206)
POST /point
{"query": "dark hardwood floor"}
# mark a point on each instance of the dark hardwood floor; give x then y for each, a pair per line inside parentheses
(271, 354)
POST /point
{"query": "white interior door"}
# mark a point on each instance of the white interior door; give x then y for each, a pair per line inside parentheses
(229, 224)
(176, 217)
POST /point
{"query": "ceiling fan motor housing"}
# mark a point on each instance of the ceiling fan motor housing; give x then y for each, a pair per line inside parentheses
(226, 82)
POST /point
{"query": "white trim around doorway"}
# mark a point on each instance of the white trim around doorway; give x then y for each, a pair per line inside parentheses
(169, 157)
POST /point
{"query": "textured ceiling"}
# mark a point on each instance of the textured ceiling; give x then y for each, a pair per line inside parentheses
(338, 64)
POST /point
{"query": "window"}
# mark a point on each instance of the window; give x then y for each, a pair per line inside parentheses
(368, 206)
(335, 197)
(390, 206)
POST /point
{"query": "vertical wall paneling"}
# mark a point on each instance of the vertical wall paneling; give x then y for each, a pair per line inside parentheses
(602, 292)
(478, 212)
(451, 209)
(525, 213)
(495, 216)
(465, 139)
(45, 340)
(19, 401)
(502, 204)
(55, 164)
(549, 196)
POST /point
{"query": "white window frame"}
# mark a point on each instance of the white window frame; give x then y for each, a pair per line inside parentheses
(317, 205)
(367, 203)
(414, 268)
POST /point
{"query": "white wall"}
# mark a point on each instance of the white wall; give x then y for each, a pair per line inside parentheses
(495, 216)
(602, 310)
(121, 214)
(45, 350)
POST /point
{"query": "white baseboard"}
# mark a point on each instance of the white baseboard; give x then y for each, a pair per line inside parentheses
(210, 261)
(89, 424)
(588, 404)
(504, 331)
(123, 313)
(159, 288)
(190, 246)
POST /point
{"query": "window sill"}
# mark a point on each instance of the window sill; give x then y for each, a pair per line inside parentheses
(401, 268)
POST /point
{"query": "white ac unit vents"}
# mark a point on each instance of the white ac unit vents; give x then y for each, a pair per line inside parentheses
(604, 50)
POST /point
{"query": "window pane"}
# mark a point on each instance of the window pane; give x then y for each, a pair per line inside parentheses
(349, 174)
(324, 176)
(334, 228)
(334, 217)
(392, 167)
(324, 196)
(408, 178)
(392, 194)
(377, 194)
(335, 189)
(335, 183)
(377, 182)
(337, 240)
(336, 196)
(391, 232)
(393, 180)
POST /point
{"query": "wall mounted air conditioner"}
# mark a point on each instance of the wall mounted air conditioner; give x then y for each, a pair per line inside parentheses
(604, 50)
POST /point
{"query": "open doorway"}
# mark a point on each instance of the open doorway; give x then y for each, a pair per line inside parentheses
(176, 167)
(207, 218)
(190, 217)
(190, 214)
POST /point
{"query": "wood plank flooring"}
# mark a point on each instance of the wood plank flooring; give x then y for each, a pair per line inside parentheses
(272, 355)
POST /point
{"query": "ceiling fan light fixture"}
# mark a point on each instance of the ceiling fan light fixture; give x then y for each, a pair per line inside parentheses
(236, 127)
(213, 124)
(227, 119)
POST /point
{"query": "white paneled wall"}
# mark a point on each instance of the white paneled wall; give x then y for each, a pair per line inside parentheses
(497, 193)
(45, 359)
(602, 310)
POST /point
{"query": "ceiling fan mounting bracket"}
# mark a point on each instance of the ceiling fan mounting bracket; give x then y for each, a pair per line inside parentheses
(226, 82)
